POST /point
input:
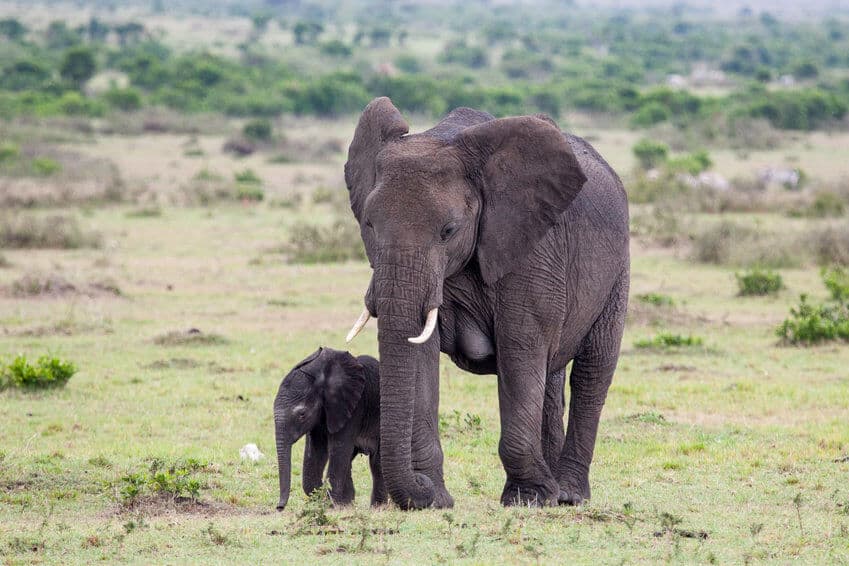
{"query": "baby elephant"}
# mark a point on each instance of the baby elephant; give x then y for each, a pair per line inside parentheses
(333, 398)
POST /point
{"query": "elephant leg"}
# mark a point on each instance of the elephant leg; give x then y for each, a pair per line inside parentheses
(378, 490)
(315, 460)
(592, 373)
(521, 395)
(339, 471)
(552, 419)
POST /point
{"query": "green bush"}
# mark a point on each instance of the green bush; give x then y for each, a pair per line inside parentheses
(811, 324)
(826, 204)
(836, 280)
(126, 99)
(665, 340)
(9, 152)
(249, 192)
(650, 153)
(656, 299)
(176, 481)
(759, 282)
(460, 52)
(693, 163)
(247, 177)
(48, 372)
(335, 48)
(259, 129)
(45, 167)
(78, 65)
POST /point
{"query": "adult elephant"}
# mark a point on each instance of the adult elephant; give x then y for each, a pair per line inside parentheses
(504, 244)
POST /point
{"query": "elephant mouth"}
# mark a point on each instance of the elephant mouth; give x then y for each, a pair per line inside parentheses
(427, 331)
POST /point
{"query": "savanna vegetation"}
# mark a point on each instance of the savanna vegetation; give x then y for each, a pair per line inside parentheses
(175, 235)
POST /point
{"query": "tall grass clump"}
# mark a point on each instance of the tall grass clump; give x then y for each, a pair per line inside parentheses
(335, 243)
(47, 372)
(759, 282)
(26, 231)
(729, 243)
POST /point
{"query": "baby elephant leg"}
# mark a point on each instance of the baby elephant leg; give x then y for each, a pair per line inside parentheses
(378, 490)
(339, 471)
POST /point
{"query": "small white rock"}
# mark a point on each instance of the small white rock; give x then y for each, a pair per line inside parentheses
(251, 452)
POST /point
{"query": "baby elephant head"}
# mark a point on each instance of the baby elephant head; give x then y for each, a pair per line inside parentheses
(320, 393)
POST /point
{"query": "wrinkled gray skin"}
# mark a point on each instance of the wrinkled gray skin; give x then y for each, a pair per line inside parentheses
(518, 233)
(332, 398)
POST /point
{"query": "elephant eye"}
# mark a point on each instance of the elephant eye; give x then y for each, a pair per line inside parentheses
(448, 230)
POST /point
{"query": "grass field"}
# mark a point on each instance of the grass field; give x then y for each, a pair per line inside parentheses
(728, 452)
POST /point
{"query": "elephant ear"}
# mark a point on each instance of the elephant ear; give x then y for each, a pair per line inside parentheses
(343, 387)
(528, 176)
(380, 123)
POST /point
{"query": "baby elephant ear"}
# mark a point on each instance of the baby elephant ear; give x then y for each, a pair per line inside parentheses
(344, 384)
(527, 175)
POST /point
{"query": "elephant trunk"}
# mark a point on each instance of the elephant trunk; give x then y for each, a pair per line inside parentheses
(401, 299)
(284, 463)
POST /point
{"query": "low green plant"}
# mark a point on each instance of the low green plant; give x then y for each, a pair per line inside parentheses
(759, 282)
(815, 323)
(650, 153)
(247, 177)
(314, 517)
(836, 280)
(249, 192)
(259, 129)
(9, 152)
(656, 299)
(48, 372)
(665, 340)
(175, 481)
(45, 166)
(826, 204)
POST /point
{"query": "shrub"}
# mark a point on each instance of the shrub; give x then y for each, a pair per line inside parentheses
(650, 154)
(48, 372)
(249, 192)
(259, 129)
(693, 163)
(836, 280)
(468, 55)
(45, 167)
(126, 99)
(26, 231)
(176, 481)
(247, 177)
(335, 48)
(826, 204)
(9, 152)
(337, 242)
(78, 65)
(665, 340)
(759, 282)
(811, 324)
(656, 299)
(408, 63)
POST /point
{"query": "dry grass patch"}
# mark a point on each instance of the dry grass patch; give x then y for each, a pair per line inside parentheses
(190, 337)
(28, 231)
(37, 284)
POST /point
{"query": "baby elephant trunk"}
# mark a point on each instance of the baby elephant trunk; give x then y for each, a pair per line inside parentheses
(284, 464)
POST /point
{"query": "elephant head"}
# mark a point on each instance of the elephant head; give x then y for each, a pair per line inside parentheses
(471, 189)
(317, 397)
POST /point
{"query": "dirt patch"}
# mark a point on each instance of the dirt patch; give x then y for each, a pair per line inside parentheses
(173, 363)
(157, 505)
(190, 337)
(642, 314)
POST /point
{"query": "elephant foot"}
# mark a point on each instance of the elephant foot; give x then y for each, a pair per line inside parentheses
(572, 495)
(528, 494)
(442, 499)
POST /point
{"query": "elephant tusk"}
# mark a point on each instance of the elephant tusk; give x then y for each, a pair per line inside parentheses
(359, 325)
(430, 324)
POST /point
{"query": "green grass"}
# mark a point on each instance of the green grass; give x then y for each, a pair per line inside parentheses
(725, 458)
